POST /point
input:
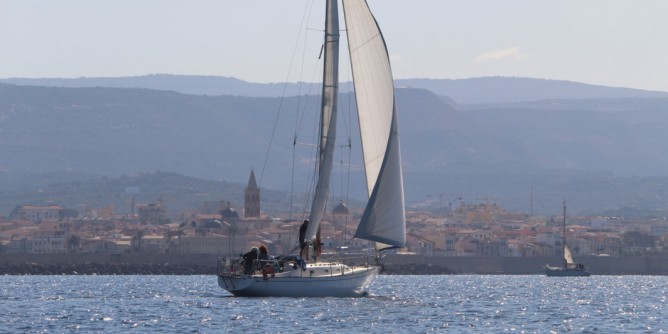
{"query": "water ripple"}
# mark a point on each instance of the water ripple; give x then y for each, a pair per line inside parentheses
(397, 304)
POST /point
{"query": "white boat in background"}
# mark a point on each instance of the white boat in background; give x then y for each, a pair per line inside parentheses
(570, 268)
(383, 220)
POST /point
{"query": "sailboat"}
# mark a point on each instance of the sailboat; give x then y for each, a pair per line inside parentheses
(383, 220)
(570, 268)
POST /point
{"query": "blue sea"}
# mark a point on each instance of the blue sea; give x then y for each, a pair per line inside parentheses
(397, 304)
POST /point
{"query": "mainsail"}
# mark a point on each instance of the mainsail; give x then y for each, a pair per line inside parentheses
(383, 220)
(327, 118)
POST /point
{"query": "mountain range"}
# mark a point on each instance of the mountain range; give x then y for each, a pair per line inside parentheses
(463, 91)
(525, 143)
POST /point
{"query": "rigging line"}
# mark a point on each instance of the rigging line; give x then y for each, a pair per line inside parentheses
(310, 186)
(313, 163)
(347, 118)
(292, 182)
(310, 86)
(301, 72)
(299, 94)
(369, 40)
(308, 98)
(305, 144)
(280, 104)
(346, 122)
(350, 150)
(350, 91)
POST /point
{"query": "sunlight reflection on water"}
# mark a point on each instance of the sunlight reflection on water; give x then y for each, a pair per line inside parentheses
(397, 304)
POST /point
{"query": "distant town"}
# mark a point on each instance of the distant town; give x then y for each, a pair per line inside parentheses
(464, 230)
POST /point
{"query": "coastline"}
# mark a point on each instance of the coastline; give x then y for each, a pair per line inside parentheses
(167, 269)
(205, 264)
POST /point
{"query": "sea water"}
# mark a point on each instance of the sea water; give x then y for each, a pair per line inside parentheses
(396, 304)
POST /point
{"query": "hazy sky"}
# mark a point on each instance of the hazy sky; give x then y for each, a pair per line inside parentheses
(607, 42)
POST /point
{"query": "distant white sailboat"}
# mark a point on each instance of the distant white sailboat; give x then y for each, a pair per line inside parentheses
(570, 268)
(383, 220)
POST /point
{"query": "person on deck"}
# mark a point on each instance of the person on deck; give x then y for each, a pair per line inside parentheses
(317, 246)
(303, 252)
(264, 253)
(249, 260)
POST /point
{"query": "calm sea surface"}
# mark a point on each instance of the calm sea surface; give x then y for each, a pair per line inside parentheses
(398, 304)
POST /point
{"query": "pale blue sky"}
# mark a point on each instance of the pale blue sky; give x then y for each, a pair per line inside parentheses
(607, 42)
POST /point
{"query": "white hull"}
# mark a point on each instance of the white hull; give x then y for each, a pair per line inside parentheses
(565, 272)
(323, 279)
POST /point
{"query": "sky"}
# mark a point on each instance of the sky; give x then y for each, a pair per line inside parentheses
(619, 43)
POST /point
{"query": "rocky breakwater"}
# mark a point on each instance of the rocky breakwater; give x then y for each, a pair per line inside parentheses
(415, 269)
(173, 269)
(31, 268)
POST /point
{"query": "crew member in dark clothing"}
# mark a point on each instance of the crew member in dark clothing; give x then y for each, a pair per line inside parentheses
(317, 246)
(264, 253)
(302, 242)
(249, 260)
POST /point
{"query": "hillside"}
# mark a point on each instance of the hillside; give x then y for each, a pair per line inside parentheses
(600, 154)
(504, 89)
(463, 91)
(178, 193)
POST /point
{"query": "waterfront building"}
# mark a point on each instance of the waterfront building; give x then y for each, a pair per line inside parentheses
(37, 213)
(153, 213)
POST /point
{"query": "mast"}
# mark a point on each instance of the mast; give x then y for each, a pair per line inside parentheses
(531, 201)
(563, 246)
(330, 90)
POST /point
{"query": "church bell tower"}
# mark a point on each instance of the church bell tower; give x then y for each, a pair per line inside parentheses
(252, 198)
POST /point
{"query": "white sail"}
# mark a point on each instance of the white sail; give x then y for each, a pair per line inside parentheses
(327, 118)
(567, 255)
(567, 252)
(383, 220)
